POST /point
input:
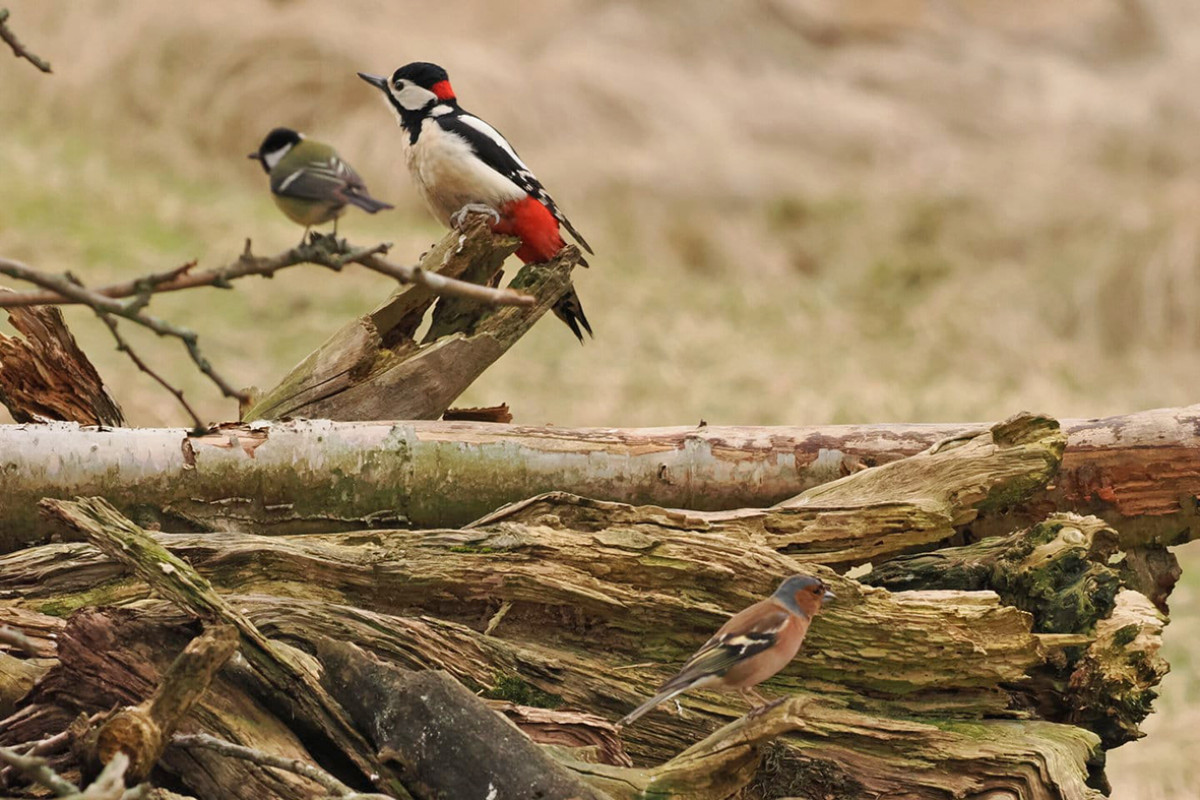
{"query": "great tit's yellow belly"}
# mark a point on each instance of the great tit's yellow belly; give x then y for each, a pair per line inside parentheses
(449, 176)
(308, 212)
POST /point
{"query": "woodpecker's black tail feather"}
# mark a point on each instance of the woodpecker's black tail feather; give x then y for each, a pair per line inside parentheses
(570, 311)
(366, 202)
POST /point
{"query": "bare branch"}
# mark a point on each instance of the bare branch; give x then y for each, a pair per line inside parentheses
(444, 286)
(335, 787)
(19, 50)
(124, 347)
(324, 251)
(67, 286)
(37, 770)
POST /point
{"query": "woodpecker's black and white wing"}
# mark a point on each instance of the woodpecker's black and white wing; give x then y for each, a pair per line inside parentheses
(329, 179)
(494, 150)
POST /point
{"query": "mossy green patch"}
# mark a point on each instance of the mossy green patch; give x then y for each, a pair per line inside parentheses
(516, 690)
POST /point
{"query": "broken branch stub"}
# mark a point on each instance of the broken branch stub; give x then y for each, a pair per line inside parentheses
(141, 732)
(375, 368)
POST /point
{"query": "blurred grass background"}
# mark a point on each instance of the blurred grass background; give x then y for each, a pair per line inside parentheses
(804, 211)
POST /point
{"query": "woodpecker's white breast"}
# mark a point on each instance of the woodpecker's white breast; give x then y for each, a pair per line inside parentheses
(449, 176)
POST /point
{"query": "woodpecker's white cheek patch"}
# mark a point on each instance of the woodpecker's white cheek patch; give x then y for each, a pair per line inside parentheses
(413, 97)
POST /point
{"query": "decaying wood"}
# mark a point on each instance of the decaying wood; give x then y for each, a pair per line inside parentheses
(292, 683)
(1002, 667)
(44, 376)
(1137, 472)
(441, 722)
(116, 657)
(331, 784)
(27, 648)
(596, 618)
(375, 367)
(141, 732)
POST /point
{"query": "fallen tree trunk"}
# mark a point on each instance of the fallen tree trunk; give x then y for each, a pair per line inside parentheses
(1140, 472)
(908, 694)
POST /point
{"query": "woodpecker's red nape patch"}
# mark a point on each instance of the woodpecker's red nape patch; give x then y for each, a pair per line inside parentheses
(442, 90)
(535, 226)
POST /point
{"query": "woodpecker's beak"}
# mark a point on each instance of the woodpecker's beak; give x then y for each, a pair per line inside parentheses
(378, 81)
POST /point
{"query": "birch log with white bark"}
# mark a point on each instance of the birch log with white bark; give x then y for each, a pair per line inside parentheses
(1140, 472)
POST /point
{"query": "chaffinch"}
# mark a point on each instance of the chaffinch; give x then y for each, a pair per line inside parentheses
(751, 647)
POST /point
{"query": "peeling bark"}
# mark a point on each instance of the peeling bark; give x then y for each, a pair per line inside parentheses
(1140, 473)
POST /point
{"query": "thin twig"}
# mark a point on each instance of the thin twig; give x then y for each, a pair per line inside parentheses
(19, 50)
(335, 787)
(324, 251)
(67, 286)
(124, 347)
(17, 639)
(52, 745)
(37, 770)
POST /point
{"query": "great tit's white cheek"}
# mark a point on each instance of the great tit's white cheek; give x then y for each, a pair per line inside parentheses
(272, 158)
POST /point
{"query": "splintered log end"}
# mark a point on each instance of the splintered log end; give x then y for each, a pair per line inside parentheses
(374, 368)
(130, 731)
(45, 376)
(1112, 687)
(914, 502)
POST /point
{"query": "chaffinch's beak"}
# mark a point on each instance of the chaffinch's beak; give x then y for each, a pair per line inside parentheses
(378, 81)
(829, 595)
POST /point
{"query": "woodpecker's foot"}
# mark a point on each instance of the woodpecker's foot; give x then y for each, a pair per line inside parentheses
(459, 218)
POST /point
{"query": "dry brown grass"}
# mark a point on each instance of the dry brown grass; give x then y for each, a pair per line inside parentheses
(804, 210)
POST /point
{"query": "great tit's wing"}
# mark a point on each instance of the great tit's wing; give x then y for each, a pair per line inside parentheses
(329, 180)
(322, 179)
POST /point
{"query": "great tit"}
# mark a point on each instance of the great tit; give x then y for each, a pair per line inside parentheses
(309, 181)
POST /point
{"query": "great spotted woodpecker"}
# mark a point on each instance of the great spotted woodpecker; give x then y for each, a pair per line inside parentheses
(461, 163)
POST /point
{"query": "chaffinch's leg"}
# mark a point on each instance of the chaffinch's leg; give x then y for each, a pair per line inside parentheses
(754, 712)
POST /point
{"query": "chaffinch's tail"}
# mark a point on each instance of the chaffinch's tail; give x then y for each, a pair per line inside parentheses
(647, 706)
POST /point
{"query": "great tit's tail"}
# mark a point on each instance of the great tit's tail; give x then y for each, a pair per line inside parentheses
(366, 202)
